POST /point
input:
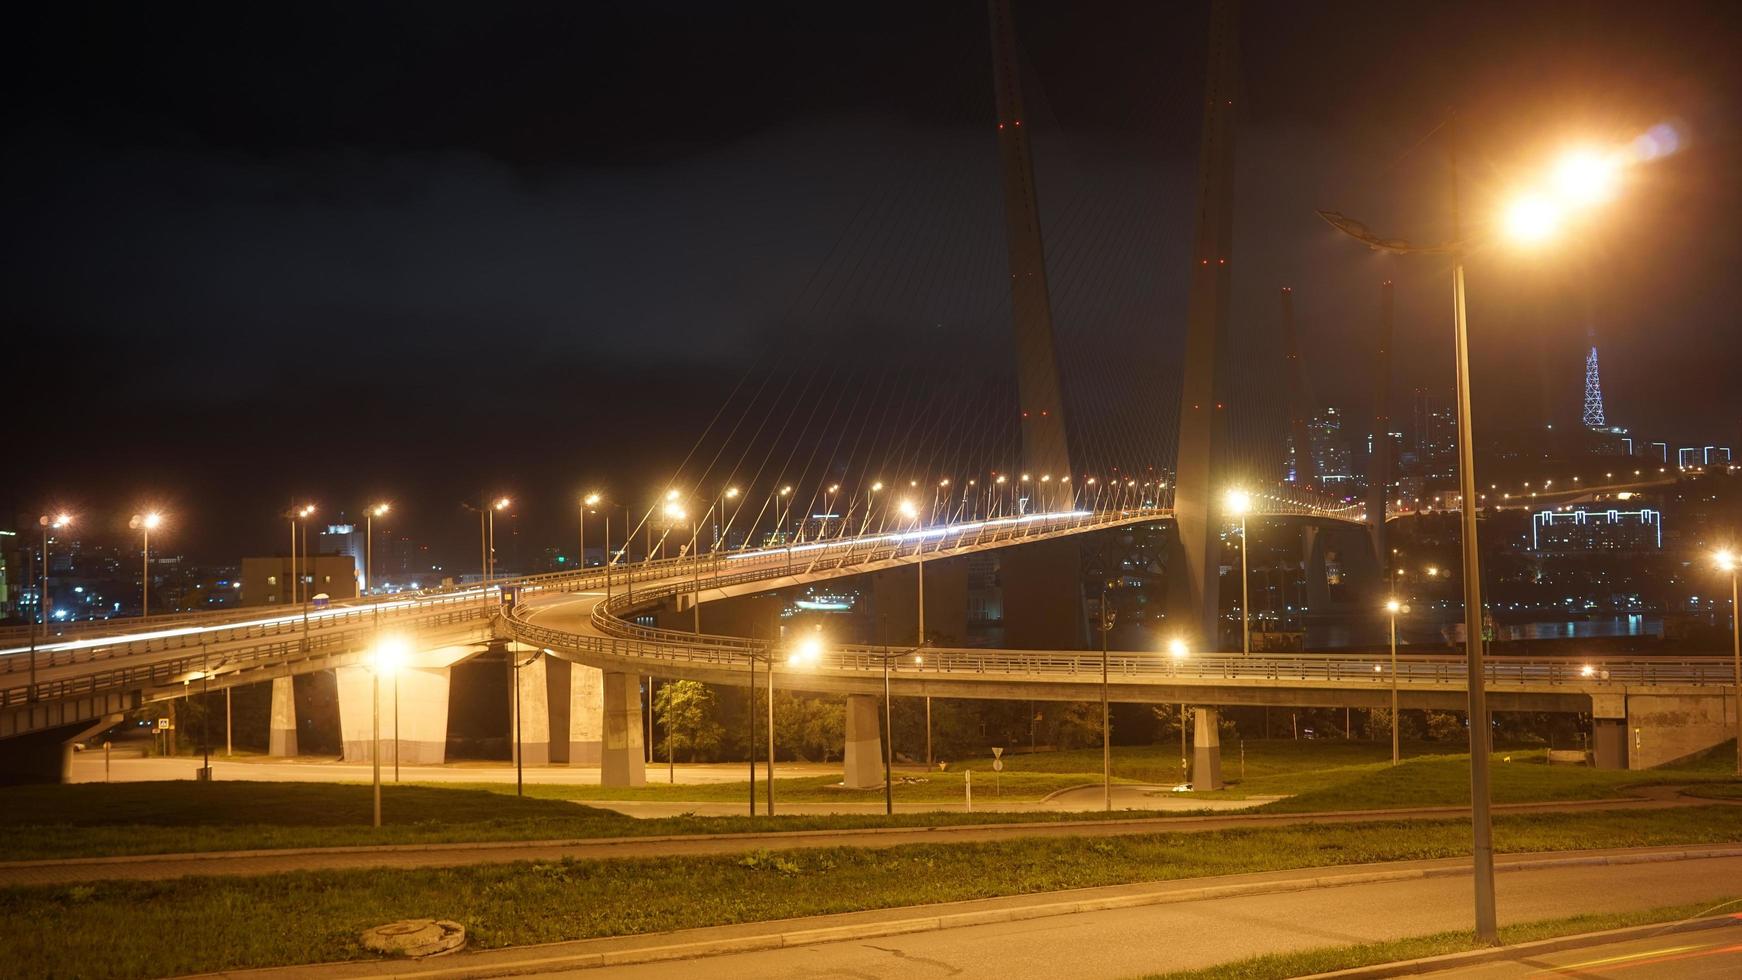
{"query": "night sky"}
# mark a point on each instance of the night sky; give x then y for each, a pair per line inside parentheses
(428, 252)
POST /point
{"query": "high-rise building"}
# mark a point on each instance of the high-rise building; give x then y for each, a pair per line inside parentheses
(1330, 448)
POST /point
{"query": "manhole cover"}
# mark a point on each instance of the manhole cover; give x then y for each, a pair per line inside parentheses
(416, 937)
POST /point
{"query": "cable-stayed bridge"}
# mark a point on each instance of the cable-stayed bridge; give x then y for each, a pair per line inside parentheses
(1054, 459)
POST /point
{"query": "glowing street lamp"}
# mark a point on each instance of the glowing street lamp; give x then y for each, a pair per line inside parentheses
(1528, 219)
(1178, 651)
(386, 659)
(592, 500)
(1238, 503)
(48, 523)
(145, 524)
(378, 510)
(1394, 608)
(1728, 561)
(806, 653)
(500, 503)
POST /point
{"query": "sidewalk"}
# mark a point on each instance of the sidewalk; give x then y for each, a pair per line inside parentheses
(154, 867)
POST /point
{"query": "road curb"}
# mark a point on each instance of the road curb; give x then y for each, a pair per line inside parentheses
(580, 957)
(1155, 824)
(1429, 964)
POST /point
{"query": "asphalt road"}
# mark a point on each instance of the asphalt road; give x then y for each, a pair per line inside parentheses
(1706, 955)
(1133, 942)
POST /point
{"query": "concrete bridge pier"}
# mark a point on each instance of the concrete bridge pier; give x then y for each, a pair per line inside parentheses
(281, 739)
(561, 707)
(863, 758)
(419, 707)
(1206, 749)
(622, 755)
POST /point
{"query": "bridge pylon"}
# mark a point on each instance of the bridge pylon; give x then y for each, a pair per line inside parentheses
(1045, 451)
(1195, 580)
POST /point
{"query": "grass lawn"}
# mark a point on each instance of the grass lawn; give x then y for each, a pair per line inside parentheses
(92, 819)
(1280, 966)
(127, 929)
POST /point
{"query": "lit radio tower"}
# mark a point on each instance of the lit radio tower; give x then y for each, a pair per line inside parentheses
(1593, 392)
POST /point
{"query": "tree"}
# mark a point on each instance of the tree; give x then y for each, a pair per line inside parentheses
(686, 711)
(809, 727)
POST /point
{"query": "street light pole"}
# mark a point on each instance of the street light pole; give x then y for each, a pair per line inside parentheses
(1729, 562)
(1394, 607)
(1736, 652)
(750, 714)
(57, 522)
(1106, 625)
(1487, 926)
(374, 511)
(144, 523)
(1239, 503)
(375, 748)
(771, 736)
(888, 744)
(1245, 599)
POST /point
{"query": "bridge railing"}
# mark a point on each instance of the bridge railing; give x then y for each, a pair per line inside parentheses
(1341, 670)
(20, 637)
(278, 649)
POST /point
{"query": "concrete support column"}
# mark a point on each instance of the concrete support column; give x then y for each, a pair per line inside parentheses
(535, 702)
(863, 758)
(422, 718)
(586, 697)
(281, 738)
(623, 758)
(1206, 749)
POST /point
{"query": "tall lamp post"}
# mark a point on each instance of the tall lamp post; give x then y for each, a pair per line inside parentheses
(1729, 562)
(483, 541)
(1106, 626)
(47, 523)
(387, 657)
(519, 746)
(807, 653)
(1178, 651)
(592, 500)
(1238, 503)
(1393, 608)
(144, 523)
(500, 503)
(1581, 179)
(378, 510)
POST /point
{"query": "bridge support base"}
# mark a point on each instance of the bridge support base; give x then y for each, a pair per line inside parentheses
(281, 741)
(1206, 749)
(561, 705)
(863, 757)
(420, 708)
(622, 757)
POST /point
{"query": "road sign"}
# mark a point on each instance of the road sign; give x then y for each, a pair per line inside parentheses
(163, 724)
(997, 765)
(997, 751)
